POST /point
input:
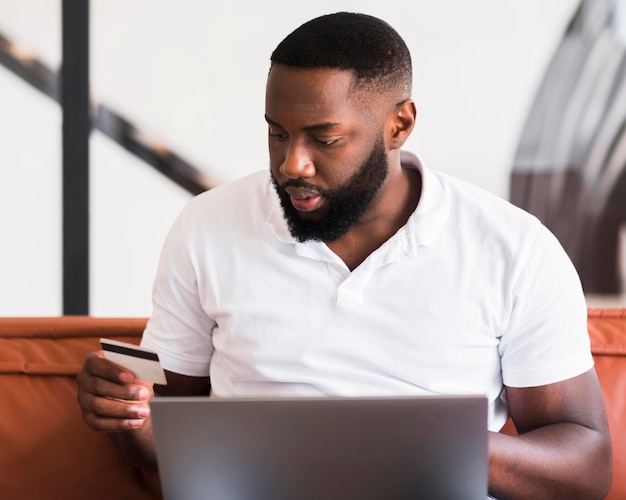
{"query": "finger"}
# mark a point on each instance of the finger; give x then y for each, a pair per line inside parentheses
(106, 414)
(102, 377)
(102, 388)
(113, 425)
(97, 365)
(109, 424)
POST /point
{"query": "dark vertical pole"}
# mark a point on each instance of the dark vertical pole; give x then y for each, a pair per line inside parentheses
(76, 126)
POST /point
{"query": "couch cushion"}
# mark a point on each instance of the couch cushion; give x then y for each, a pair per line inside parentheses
(47, 450)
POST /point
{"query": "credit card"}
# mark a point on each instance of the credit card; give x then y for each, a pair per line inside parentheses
(143, 362)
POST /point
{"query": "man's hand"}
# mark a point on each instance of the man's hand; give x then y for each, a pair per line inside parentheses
(110, 398)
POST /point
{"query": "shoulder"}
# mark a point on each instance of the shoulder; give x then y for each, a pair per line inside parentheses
(244, 189)
(475, 201)
(244, 199)
(473, 214)
(225, 212)
(498, 238)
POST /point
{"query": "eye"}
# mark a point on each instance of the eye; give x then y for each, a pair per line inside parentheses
(278, 135)
(327, 141)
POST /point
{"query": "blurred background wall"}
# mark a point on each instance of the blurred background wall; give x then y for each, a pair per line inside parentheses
(191, 76)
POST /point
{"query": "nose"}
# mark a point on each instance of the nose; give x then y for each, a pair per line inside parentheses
(297, 162)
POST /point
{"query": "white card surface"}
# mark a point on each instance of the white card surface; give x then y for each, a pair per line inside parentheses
(143, 362)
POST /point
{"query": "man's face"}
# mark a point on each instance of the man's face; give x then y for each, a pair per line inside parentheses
(346, 203)
(327, 153)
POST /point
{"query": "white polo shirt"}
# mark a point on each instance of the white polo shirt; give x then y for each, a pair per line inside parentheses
(471, 293)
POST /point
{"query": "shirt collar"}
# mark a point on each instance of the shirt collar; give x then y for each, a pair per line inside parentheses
(433, 209)
(421, 229)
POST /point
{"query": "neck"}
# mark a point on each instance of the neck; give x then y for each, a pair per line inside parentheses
(390, 211)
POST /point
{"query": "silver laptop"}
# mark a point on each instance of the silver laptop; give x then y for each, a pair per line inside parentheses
(322, 448)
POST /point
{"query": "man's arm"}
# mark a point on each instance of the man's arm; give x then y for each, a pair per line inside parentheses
(111, 400)
(563, 449)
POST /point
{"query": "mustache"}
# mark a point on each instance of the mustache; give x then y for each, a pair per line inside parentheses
(301, 183)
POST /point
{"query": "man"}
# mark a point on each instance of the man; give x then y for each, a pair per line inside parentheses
(345, 273)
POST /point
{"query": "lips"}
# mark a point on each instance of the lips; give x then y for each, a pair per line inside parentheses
(304, 200)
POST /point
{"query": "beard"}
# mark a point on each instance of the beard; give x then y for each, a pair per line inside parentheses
(346, 204)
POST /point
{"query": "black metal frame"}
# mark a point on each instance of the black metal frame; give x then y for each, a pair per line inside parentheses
(75, 132)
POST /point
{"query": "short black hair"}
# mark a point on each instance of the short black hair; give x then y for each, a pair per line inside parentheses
(363, 44)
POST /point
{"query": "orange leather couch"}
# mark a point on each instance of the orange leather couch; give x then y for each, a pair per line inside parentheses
(47, 452)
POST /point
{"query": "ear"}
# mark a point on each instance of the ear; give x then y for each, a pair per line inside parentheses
(400, 123)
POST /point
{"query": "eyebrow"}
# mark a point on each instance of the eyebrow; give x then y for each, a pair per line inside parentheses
(308, 128)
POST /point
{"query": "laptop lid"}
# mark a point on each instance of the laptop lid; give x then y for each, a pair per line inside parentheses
(322, 448)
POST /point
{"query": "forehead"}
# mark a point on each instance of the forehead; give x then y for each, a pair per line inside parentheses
(312, 95)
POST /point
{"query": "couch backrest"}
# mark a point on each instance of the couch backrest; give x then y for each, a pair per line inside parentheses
(46, 449)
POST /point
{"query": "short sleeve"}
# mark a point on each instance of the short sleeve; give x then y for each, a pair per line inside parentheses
(179, 329)
(546, 340)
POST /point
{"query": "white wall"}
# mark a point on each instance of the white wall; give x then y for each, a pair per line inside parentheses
(191, 73)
